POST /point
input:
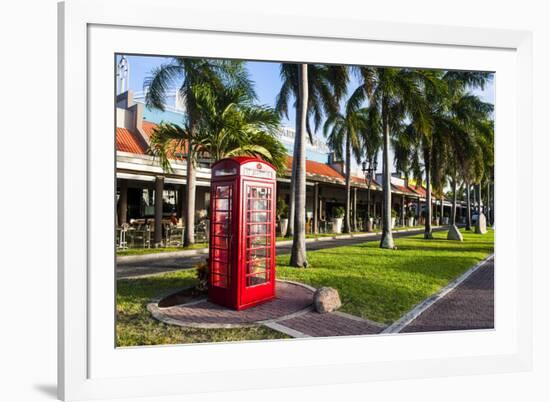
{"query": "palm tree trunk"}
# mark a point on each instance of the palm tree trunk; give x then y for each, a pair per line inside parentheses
(442, 212)
(189, 237)
(290, 231)
(479, 210)
(347, 220)
(427, 168)
(493, 204)
(488, 213)
(453, 210)
(298, 257)
(468, 206)
(387, 238)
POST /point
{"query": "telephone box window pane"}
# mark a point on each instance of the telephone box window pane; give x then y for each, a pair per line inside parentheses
(258, 217)
(221, 217)
(219, 268)
(219, 281)
(259, 229)
(220, 229)
(256, 265)
(220, 254)
(258, 205)
(223, 192)
(222, 204)
(220, 242)
(258, 241)
(258, 192)
(257, 253)
(254, 280)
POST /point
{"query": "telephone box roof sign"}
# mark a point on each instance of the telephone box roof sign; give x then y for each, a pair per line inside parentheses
(241, 160)
(242, 232)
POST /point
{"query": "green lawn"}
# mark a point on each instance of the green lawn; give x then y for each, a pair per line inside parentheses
(373, 283)
(381, 284)
(136, 327)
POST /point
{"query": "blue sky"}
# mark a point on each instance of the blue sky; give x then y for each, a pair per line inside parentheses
(265, 76)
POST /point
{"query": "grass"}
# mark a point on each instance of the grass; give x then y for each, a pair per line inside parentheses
(382, 285)
(373, 283)
(136, 327)
(142, 251)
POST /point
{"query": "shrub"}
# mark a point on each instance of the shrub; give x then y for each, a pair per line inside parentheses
(203, 271)
(282, 209)
(393, 213)
(338, 212)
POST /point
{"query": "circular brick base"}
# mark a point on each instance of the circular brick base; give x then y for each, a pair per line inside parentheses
(292, 300)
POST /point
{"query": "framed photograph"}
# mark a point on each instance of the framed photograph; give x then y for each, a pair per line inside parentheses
(254, 201)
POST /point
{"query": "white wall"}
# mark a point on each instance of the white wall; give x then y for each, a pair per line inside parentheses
(28, 329)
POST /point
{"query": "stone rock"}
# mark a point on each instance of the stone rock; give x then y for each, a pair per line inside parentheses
(454, 234)
(326, 300)
(481, 224)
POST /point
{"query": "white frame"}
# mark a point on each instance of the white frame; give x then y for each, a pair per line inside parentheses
(74, 379)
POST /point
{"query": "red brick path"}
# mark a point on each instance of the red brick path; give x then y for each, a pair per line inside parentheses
(331, 324)
(469, 306)
(291, 298)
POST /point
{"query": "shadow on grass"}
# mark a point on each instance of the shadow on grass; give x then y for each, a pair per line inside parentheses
(153, 286)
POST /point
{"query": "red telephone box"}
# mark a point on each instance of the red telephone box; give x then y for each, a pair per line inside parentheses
(242, 232)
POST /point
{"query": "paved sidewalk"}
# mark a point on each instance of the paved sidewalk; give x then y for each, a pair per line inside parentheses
(469, 306)
(314, 324)
(291, 313)
(159, 263)
(291, 299)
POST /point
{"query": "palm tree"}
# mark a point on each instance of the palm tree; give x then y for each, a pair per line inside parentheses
(344, 131)
(186, 74)
(372, 142)
(395, 93)
(316, 90)
(230, 125)
(298, 257)
(457, 118)
(468, 205)
(326, 85)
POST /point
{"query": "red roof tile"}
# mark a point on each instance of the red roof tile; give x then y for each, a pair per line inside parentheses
(148, 128)
(403, 189)
(177, 152)
(360, 181)
(126, 141)
(421, 191)
(318, 169)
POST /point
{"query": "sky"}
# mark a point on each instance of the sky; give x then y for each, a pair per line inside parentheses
(267, 81)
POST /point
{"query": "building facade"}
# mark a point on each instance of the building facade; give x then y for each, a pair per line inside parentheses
(140, 178)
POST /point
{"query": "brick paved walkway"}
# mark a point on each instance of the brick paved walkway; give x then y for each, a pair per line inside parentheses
(469, 306)
(331, 324)
(291, 312)
(291, 299)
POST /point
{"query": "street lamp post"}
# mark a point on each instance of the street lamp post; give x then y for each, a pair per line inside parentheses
(369, 168)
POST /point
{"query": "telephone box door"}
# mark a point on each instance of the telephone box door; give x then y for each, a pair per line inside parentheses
(258, 282)
(221, 241)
